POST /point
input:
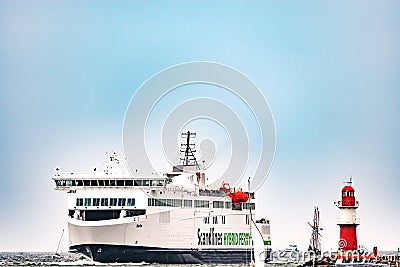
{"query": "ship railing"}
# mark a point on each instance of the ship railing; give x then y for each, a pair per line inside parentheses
(74, 174)
(211, 193)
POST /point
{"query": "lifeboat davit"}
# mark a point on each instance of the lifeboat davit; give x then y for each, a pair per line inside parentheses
(225, 187)
(238, 196)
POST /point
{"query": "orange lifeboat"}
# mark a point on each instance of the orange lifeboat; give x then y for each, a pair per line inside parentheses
(238, 196)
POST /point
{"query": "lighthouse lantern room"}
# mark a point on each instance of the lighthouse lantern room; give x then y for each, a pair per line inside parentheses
(348, 220)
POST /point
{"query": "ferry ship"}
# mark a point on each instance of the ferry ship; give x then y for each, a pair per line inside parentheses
(116, 216)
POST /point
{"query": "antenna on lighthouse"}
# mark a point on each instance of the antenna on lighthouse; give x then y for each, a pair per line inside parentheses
(350, 181)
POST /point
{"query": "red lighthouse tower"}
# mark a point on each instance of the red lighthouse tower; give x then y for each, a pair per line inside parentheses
(348, 221)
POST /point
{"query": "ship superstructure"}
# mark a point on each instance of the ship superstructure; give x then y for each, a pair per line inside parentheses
(176, 217)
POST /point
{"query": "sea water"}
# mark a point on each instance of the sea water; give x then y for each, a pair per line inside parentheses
(73, 259)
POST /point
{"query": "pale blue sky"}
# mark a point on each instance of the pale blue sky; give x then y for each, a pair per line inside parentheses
(329, 70)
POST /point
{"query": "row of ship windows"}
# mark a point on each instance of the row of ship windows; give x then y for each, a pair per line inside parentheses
(105, 202)
(110, 182)
(206, 220)
(159, 202)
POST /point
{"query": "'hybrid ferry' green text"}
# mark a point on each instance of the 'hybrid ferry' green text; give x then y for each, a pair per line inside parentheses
(239, 239)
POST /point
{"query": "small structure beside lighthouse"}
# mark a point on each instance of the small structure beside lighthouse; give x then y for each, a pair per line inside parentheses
(348, 220)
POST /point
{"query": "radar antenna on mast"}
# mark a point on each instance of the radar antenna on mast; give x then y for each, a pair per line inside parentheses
(189, 158)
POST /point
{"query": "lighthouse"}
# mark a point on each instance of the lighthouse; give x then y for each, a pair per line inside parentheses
(348, 221)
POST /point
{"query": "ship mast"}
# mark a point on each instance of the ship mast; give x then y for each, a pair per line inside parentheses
(315, 242)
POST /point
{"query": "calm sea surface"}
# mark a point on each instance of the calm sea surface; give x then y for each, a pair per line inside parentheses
(69, 259)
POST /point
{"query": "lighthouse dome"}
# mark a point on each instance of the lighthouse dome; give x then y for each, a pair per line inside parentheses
(347, 188)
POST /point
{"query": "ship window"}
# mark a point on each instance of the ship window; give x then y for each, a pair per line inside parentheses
(120, 182)
(247, 219)
(112, 182)
(104, 201)
(159, 202)
(215, 220)
(223, 219)
(79, 202)
(201, 204)
(106, 183)
(86, 182)
(344, 193)
(70, 182)
(101, 182)
(249, 205)
(153, 182)
(187, 203)
(121, 201)
(129, 183)
(138, 182)
(160, 183)
(93, 182)
(88, 202)
(146, 183)
(79, 182)
(178, 203)
(131, 202)
(113, 202)
(137, 212)
(100, 215)
(64, 183)
(96, 201)
(206, 220)
(218, 204)
(228, 205)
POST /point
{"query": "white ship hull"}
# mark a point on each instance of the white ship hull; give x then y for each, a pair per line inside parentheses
(183, 238)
